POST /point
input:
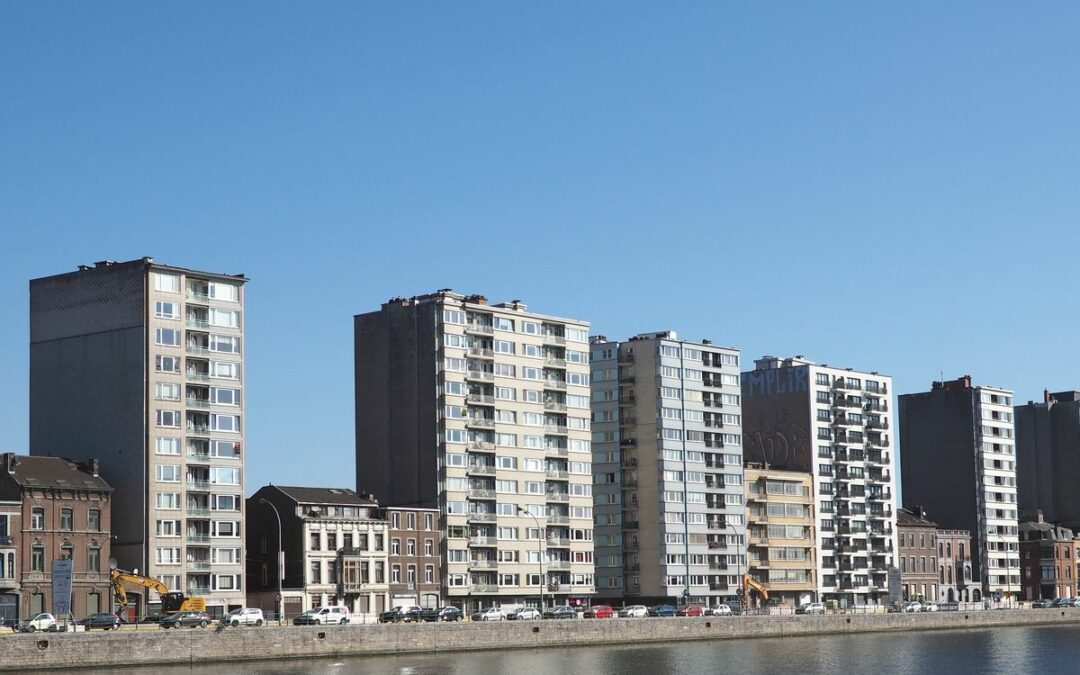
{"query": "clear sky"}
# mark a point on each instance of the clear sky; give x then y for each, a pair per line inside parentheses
(886, 186)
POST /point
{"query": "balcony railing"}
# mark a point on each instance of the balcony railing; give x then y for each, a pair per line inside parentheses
(558, 497)
(480, 328)
(480, 399)
(482, 445)
(198, 484)
(482, 494)
(550, 339)
(481, 469)
(197, 403)
(557, 363)
(482, 353)
(483, 541)
(481, 422)
(557, 473)
(559, 520)
(480, 375)
(554, 406)
(555, 429)
(198, 590)
(484, 564)
(550, 383)
(557, 452)
(198, 538)
(482, 517)
(484, 588)
(197, 376)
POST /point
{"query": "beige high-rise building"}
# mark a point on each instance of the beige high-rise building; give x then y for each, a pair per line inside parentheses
(780, 529)
(140, 364)
(482, 411)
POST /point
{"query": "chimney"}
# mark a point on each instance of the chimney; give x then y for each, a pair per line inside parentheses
(1046, 395)
(9, 461)
(95, 467)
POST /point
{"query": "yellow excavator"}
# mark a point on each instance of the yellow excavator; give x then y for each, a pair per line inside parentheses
(750, 582)
(171, 601)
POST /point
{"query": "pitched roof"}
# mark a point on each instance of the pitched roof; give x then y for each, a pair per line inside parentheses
(318, 495)
(906, 518)
(55, 472)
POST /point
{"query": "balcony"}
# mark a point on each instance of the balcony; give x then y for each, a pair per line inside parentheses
(556, 452)
(481, 353)
(559, 520)
(481, 493)
(196, 375)
(481, 469)
(198, 538)
(556, 429)
(483, 564)
(196, 322)
(480, 422)
(196, 349)
(198, 564)
(198, 512)
(198, 590)
(483, 541)
(482, 446)
(558, 473)
(557, 497)
(554, 362)
(479, 329)
(554, 406)
(559, 542)
(551, 339)
(198, 485)
(480, 399)
(551, 383)
(200, 403)
(558, 564)
(478, 517)
(484, 588)
(480, 376)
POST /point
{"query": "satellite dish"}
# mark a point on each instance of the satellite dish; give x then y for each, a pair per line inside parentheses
(112, 563)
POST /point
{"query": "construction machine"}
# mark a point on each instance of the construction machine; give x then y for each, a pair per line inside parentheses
(171, 601)
(750, 582)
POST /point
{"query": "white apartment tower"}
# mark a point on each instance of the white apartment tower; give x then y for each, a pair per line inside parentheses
(959, 463)
(835, 424)
(668, 470)
(482, 411)
(140, 364)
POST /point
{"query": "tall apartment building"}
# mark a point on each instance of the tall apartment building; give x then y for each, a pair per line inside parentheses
(834, 424)
(667, 453)
(780, 527)
(482, 411)
(1047, 461)
(959, 462)
(140, 364)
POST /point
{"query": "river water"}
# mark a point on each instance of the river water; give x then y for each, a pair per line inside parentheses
(1005, 651)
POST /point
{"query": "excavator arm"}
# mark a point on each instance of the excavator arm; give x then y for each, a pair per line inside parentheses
(750, 582)
(120, 578)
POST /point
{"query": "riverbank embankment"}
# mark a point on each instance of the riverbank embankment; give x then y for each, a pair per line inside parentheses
(207, 646)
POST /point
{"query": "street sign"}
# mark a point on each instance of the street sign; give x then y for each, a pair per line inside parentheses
(61, 587)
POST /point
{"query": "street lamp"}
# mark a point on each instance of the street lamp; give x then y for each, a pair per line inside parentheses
(281, 558)
(738, 567)
(540, 551)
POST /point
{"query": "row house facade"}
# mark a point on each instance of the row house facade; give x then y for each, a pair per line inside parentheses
(336, 550)
(415, 555)
(918, 551)
(53, 509)
(1047, 560)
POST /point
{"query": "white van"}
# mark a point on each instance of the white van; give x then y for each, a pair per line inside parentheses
(323, 616)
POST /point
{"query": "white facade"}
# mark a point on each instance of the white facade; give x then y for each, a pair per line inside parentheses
(332, 542)
(844, 418)
(996, 477)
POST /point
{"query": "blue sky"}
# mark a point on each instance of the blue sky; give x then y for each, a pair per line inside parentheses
(890, 187)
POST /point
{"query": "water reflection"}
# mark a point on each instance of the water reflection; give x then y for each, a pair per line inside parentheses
(1004, 651)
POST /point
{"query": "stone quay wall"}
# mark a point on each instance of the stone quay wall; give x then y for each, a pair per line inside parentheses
(41, 651)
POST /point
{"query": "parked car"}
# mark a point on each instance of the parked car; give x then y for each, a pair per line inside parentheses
(322, 616)
(1041, 604)
(489, 614)
(663, 610)
(599, 612)
(410, 613)
(561, 612)
(1065, 602)
(722, 610)
(810, 608)
(450, 613)
(911, 607)
(152, 617)
(634, 612)
(42, 622)
(245, 616)
(186, 620)
(525, 614)
(929, 607)
(694, 610)
(102, 620)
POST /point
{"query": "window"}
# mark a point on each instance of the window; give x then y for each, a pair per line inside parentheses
(224, 476)
(224, 317)
(168, 418)
(504, 324)
(225, 423)
(168, 501)
(315, 575)
(167, 337)
(429, 574)
(429, 547)
(37, 518)
(224, 292)
(168, 556)
(167, 391)
(166, 283)
(166, 310)
(224, 370)
(168, 528)
(221, 396)
(429, 521)
(167, 364)
(168, 473)
(67, 521)
(37, 559)
(93, 559)
(167, 446)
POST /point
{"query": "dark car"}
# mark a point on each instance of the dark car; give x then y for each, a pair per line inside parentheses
(561, 612)
(153, 617)
(186, 620)
(104, 621)
(663, 610)
(1041, 604)
(390, 616)
(599, 612)
(1063, 602)
(450, 613)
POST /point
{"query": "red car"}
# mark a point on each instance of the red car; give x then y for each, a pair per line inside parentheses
(692, 610)
(600, 612)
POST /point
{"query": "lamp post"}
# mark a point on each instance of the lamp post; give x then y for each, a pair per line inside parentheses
(738, 569)
(281, 559)
(540, 551)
